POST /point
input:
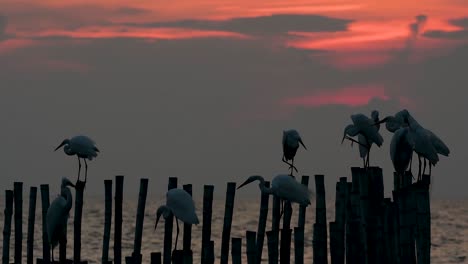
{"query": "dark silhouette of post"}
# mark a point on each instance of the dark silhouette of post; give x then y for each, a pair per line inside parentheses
(423, 238)
(236, 250)
(119, 181)
(341, 201)
(207, 215)
(79, 193)
(251, 247)
(298, 245)
(139, 221)
(275, 229)
(262, 220)
(187, 242)
(285, 248)
(7, 226)
(168, 224)
(18, 204)
(228, 211)
(107, 220)
(272, 247)
(31, 220)
(319, 241)
(156, 258)
(45, 207)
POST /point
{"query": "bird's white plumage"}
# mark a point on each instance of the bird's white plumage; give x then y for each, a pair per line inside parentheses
(182, 206)
(365, 126)
(291, 140)
(287, 188)
(401, 149)
(83, 146)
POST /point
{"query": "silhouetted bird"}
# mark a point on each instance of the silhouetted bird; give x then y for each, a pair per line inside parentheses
(180, 204)
(291, 141)
(57, 215)
(81, 146)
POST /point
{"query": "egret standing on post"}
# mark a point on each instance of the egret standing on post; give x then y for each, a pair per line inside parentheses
(81, 146)
(291, 141)
(57, 215)
(365, 126)
(363, 143)
(181, 205)
(401, 150)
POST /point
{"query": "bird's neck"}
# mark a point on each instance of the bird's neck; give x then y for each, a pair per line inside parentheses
(66, 193)
(68, 150)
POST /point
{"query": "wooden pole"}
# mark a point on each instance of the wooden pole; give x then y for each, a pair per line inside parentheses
(79, 191)
(31, 220)
(119, 181)
(139, 220)
(302, 208)
(299, 245)
(423, 242)
(178, 257)
(275, 224)
(262, 220)
(285, 249)
(320, 227)
(207, 214)
(228, 211)
(187, 242)
(406, 248)
(272, 247)
(251, 247)
(236, 250)
(107, 220)
(375, 215)
(354, 230)
(156, 258)
(7, 226)
(210, 256)
(341, 201)
(45, 207)
(18, 203)
(334, 246)
(168, 225)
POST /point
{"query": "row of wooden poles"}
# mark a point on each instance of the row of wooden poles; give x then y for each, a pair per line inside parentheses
(368, 228)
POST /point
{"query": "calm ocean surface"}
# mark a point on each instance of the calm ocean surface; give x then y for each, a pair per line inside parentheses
(449, 229)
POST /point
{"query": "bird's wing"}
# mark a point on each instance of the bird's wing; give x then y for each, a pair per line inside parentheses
(288, 188)
(438, 144)
(362, 150)
(84, 146)
(423, 145)
(182, 206)
(367, 128)
(56, 217)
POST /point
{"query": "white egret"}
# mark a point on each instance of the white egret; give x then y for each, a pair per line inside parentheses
(180, 204)
(81, 146)
(284, 187)
(426, 144)
(363, 143)
(57, 215)
(291, 141)
(366, 127)
(401, 150)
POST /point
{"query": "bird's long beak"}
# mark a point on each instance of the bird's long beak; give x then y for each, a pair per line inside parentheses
(242, 185)
(344, 136)
(61, 144)
(157, 220)
(302, 143)
(381, 121)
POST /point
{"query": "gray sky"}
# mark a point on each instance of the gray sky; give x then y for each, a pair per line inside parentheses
(210, 107)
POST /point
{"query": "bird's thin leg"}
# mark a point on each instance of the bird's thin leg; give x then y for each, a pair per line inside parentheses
(364, 161)
(355, 141)
(282, 208)
(52, 255)
(424, 170)
(86, 170)
(79, 168)
(419, 172)
(177, 235)
(411, 161)
(430, 169)
(290, 165)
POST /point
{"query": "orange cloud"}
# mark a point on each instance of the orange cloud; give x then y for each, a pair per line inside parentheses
(349, 96)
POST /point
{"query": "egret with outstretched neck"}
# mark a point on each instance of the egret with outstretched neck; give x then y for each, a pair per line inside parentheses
(180, 204)
(81, 146)
(57, 215)
(291, 141)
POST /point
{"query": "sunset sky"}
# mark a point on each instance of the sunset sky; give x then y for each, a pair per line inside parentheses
(202, 89)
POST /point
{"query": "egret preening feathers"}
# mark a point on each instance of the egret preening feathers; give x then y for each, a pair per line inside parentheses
(291, 141)
(363, 125)
(57, 215)
(181, 205)
(81, 146)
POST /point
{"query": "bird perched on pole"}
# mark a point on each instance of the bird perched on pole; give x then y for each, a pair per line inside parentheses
(284, 187)
(427, 145)
(291, 141)
(57, 215)
(401, 150)
(180, 204)
(81, 146)
(365, 126)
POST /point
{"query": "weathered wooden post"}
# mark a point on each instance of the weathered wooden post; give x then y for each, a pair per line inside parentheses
(389, 252)
(156, 258)
(178, 256)
(107, 221)
(136, 255)
(119, 181)
(187, 242)
(236, 250)
(275, 228)
(354, 230)
(262, 220)
(18, 203)
(375, 215)
(407, 252)
(7, 226)
(251, 247)
(423, 241)
(299, 245)
(298, 237)
(341, 200)
(79, 191)
(210, 256)
(207, 214)
(334, 244)
(285, 248)
(319, 241)
(31, 220)
(229, 208)
(45, 207)
(168, 225)
(272, 247)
